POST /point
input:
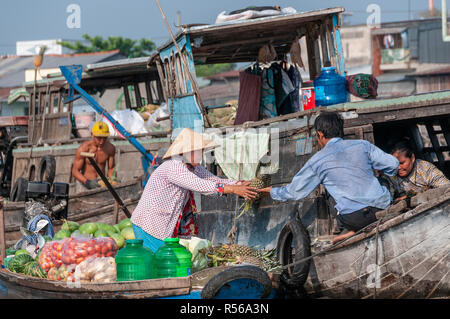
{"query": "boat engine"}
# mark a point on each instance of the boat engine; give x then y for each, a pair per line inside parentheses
(40, 199)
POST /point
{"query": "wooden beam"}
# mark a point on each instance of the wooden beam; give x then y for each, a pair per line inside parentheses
(162, 79)
(137, 94)
(148, 90)
(126, 93)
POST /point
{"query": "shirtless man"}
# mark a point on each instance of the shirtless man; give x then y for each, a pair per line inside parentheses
(104, 152)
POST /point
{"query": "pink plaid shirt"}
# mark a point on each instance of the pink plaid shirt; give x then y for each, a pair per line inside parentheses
(165, 195)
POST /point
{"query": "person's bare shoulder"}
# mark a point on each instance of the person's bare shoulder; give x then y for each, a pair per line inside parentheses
(84, 147)
(109, 148)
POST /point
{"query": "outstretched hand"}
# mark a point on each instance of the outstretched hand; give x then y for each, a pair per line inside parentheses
(242, 190)
(265, 191)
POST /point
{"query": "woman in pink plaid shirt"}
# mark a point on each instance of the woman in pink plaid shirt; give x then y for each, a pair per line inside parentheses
(167, 207)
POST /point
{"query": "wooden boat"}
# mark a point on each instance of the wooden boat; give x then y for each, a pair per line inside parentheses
(96, 205)
(412, 262)
(22, 286)
(408, 243)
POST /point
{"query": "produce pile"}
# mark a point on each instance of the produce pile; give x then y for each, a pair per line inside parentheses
(77, 252)
(22, 262)
(120, 232)
(240, 254)
(59, 258)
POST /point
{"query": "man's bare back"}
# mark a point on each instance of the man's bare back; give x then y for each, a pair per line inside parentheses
(104, 152)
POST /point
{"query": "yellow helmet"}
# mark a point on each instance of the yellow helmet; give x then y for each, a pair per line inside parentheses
(100, 129)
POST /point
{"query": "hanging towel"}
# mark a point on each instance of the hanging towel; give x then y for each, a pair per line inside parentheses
(245, 148)
(249, 98)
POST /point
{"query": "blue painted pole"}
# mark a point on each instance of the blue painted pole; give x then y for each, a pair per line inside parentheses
(340, 53)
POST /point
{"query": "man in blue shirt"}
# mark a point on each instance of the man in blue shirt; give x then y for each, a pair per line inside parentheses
(345, 168)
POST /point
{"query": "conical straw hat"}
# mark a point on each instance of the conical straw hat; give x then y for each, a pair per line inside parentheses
(188, 141)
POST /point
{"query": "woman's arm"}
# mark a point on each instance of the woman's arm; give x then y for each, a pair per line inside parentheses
(202, 172)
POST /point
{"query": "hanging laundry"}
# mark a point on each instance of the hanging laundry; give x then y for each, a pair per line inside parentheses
(267, 54)
(283, 87)
(296, 54)
(249, 97)
(294, 96)
(268, 107)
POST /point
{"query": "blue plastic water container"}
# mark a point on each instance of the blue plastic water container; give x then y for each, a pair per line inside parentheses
(330, 88)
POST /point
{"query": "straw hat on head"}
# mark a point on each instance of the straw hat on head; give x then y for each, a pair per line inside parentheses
(188, 141)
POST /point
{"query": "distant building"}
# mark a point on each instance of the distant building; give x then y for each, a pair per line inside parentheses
(15, 70)
(24, 48)
(222, 88)
(399, 54)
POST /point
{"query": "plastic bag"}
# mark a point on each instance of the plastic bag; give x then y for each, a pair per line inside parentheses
(252, 14)
(198, 248)
(196, 244)
(96, 270)
(62, 273)
(73, 251)
(152, 125)
(129, 119)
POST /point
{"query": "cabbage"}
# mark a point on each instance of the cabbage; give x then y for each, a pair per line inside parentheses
(199, 262)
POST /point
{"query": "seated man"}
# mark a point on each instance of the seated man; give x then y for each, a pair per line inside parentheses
(345, 168)
(414, 175)
(104, 151)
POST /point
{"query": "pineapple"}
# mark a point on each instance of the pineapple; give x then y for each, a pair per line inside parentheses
(251, 260)
(242, 250)
(258, 183)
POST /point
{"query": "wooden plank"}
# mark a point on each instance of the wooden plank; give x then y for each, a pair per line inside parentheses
(126, 94)
(137, 94)
(156, 294)
(313, 60)
(148, 91)
(436, 146)
(162, 79)
(324, 44)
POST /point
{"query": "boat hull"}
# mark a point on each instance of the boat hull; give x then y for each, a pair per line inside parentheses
(413, 259)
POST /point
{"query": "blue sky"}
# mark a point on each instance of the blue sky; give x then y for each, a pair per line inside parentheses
(22, 20)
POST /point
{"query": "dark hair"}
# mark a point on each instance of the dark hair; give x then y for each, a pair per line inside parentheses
(403, 146)
(330, 124)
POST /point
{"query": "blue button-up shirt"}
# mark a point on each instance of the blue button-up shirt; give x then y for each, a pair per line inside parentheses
(345, 168)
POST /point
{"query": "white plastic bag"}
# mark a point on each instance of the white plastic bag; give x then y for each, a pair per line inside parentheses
(198, 248)
(152, 125)
(96, 270)
(129, 119)
(252, 14)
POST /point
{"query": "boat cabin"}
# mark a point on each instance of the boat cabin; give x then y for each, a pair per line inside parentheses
(58, 124)
(424, 118)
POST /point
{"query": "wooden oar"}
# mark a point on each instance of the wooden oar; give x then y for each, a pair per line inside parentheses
(90, 157)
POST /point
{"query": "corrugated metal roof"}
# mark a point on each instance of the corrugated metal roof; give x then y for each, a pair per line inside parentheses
(12, 68)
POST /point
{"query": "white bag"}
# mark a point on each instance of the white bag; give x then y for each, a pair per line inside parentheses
(129, 119)
(152, 125)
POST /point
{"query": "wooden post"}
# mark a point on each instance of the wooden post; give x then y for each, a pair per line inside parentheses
(2, 232)
(116, 212)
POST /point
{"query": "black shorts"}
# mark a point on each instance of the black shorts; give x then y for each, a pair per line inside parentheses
(357, 220)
